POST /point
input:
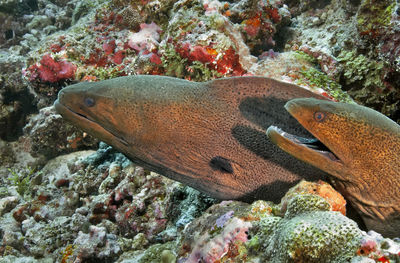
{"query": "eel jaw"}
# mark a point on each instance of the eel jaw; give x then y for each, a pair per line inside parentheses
(87, 124)
(311, 151)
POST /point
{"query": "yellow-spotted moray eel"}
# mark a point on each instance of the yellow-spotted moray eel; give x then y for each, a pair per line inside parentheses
(359, 147)
(208, 135)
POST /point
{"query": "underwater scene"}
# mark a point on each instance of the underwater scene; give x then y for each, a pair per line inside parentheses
(199, 131)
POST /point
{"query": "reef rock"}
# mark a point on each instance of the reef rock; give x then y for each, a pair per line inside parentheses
(303, 228)
(46, 138)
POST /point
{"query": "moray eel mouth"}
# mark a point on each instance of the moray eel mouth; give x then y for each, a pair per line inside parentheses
(300, 144)
(313, 151)
(86, 123)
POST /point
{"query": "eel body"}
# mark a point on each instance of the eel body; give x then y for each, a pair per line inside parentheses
(208, 135)
(360, 149)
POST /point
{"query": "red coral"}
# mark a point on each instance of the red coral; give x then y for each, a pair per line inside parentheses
(229, 63)
(51, 70)
(97, 58)
(252, 25)
(55, 48)
(118, 57)
(196, 53)
(154, 58)
(108, 47)
(383, 259)
(273, 14)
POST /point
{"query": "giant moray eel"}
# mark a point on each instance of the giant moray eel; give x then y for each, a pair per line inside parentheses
(209, 135)
(360, 148)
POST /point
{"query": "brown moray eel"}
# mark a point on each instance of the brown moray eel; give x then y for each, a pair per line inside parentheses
(359, 147)
(210, 135)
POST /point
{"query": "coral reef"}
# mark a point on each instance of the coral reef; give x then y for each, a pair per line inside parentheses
(43, 137)
(87, 205)
(16, 102)
(303, 228)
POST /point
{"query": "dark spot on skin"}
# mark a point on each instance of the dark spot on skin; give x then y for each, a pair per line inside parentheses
(89, 102)
(222, 164)
(268, 111)
(259, 143)
(276, 190)
(255, 141)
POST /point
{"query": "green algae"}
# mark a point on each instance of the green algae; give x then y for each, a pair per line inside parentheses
(373, 15)
(363, 77)
(311, 76)
(359, 68)
(303, 56)
(4, 191)
(22, 180)
(314, 77)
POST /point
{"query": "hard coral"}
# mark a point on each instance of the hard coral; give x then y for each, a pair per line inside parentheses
(51, 70)
(308, 232)
(233, 234)
(322, 189)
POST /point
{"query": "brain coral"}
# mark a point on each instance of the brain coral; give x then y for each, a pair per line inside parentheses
(309, 232)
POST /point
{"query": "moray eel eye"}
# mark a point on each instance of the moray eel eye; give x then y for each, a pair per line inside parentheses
(89, 102)
(319, 116)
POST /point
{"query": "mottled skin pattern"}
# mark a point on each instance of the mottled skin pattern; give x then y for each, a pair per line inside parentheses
(366, 160)
(210, 135)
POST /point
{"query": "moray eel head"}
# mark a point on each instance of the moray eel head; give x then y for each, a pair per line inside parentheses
(82, 106)
(359, 147)
(320, 118)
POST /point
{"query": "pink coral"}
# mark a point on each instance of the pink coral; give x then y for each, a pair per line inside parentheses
(109, 47)
(51, 70)
(147, 38)
(212, 249)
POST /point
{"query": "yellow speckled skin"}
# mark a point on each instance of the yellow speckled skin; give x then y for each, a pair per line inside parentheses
(367, 145)
(208, 135)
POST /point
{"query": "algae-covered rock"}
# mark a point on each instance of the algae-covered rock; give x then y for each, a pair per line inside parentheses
(16, 102)
(49, 135)
(157, 253)
(18, 7)
(321, 189)
(374, 17)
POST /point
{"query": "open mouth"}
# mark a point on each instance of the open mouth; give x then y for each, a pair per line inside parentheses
(312, 144)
